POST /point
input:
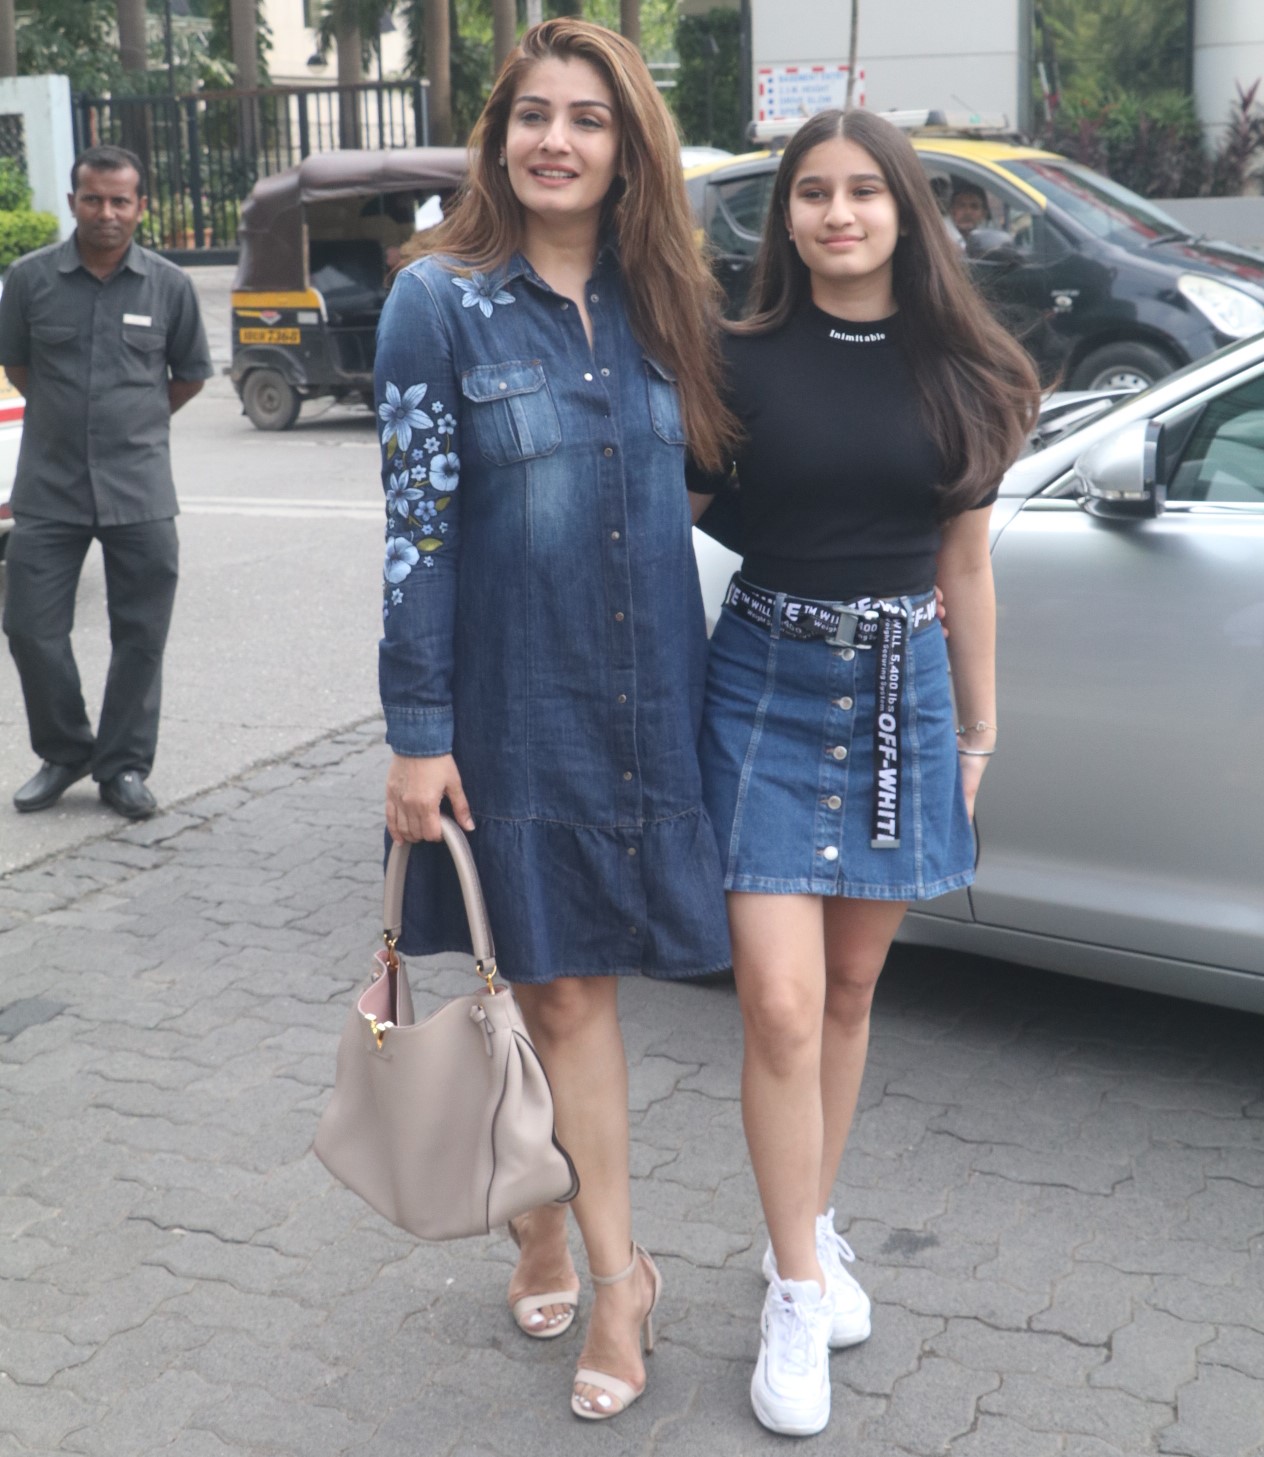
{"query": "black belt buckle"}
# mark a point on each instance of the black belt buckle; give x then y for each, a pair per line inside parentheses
(844, 635)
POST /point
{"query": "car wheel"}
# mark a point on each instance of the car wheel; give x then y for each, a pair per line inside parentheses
(270, 400)
(1122, 366)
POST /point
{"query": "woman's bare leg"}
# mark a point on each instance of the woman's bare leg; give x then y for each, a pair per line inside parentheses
(858, 935)
(574, 1023)
(778, 962)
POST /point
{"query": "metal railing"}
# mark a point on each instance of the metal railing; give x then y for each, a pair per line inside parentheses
(205, 152)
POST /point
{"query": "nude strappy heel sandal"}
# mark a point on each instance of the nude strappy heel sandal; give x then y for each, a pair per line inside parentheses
(612, 1388)
(527, 1305)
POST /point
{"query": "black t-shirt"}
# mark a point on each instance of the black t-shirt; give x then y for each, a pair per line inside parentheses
(837, 473)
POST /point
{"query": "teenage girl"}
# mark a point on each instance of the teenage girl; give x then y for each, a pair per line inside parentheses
(881, 404)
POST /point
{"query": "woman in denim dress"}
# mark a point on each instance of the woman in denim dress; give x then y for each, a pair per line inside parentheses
(544, 648)
(880, 405)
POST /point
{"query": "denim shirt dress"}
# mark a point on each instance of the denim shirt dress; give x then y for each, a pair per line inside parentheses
(542, 621)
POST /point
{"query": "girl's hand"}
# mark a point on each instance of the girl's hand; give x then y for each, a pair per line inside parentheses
(972, 767)
(415, 787)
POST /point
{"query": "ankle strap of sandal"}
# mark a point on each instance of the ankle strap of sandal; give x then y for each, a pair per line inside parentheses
(623, 1274)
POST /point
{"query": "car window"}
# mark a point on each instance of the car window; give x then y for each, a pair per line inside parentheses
(1103, 207)
(737, 211)
(1224, 460)
(970, 199)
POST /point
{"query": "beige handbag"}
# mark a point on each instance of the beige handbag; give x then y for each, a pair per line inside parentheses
(444, 1126)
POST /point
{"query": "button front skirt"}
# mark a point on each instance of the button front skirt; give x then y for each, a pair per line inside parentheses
(788, 769)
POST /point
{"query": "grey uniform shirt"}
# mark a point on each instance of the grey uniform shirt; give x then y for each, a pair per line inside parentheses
(96, 439)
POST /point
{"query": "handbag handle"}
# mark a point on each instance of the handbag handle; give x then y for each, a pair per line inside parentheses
(471, 894)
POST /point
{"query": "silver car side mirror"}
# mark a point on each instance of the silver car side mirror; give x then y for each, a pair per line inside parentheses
(1121, 475)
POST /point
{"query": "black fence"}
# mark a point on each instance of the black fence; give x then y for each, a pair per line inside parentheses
(204, 153)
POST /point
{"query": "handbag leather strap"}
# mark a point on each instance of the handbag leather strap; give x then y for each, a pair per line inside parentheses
(471, 893)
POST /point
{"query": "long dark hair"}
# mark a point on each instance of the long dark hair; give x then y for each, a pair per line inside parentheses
(978, 389)
(673, 300)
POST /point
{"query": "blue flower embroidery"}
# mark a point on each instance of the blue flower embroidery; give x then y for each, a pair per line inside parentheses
(400, 495)
(446, 423)
(445, 472)
(396, 597)
(401, 557)
(429, 562)
(400, 414)
(418, 472)
(425, 512)
(432, 444)
(481, 292)
(443, 527)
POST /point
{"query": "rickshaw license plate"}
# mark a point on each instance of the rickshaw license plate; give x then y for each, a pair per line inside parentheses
(269, 336)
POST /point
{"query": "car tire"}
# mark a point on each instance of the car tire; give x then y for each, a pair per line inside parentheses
(1126, 364)
(270, 400)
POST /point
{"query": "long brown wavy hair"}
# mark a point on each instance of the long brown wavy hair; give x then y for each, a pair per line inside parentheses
(673, 301)
(978, 390)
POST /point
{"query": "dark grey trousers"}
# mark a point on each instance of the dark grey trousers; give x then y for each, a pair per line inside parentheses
(43, 563)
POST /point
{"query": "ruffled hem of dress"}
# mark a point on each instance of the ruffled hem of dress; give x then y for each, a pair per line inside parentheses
(571, 901)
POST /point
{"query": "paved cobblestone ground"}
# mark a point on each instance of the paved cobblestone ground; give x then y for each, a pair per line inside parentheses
(1055, 1190)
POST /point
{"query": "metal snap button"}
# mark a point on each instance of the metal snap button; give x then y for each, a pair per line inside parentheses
(607, 452)
(830, 852)
(631, 849)
(627, 774)
(618, 617)
(614, 536)
(605, 374)
(839, 752)
(847, 654)
(503, 385)
(594, 298)
(843, 703)
(588, 377)
(834, 802)
(622, 698)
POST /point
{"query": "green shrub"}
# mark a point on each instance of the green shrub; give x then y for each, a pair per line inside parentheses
(22, 231)
(15, 190)
(1152, 144)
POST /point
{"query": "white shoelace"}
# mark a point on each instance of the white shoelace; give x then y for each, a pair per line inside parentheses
(796, 1341)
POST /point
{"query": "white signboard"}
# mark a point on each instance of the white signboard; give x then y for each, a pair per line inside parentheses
(785, 91)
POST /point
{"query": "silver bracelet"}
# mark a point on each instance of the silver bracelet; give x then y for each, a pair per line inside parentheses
(977, 753)
(975, 728)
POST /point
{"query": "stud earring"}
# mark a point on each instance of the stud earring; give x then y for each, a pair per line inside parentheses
(503, 163)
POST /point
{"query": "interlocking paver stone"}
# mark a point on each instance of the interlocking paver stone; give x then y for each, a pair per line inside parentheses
(1053, 1188)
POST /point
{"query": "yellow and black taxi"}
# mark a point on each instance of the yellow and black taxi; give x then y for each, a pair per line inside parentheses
(318, 244)
(1103, 287)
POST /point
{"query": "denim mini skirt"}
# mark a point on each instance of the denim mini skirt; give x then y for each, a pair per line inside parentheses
(788, 767)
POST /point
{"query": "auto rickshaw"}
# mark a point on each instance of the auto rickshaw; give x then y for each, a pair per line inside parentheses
(318, 244)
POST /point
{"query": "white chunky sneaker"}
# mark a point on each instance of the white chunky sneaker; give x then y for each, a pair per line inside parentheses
(851, 1304)
(790, 1390)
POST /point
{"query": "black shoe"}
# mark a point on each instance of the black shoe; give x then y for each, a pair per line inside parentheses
(47, 787)
(128, 795)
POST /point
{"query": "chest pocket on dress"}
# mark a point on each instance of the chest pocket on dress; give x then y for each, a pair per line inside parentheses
(664, 403)
(514, 416)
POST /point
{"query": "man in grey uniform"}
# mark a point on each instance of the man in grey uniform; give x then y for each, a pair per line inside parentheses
(105, 340)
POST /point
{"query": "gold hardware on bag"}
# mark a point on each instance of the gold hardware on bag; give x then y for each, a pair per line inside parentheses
(377, 1028)
(392, 958)
(487, 970)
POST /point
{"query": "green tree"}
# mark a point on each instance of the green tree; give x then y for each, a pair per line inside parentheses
(74, 38)
(1095, 50)
(707, 96)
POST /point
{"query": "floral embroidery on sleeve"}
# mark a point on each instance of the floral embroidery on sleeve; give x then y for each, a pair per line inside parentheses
(420, 483)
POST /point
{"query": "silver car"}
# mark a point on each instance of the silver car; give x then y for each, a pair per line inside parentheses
(1121, 823)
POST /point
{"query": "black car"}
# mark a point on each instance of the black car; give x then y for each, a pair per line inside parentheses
(1104, 288)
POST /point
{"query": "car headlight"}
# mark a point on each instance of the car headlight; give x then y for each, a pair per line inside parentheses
(1230, 310)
